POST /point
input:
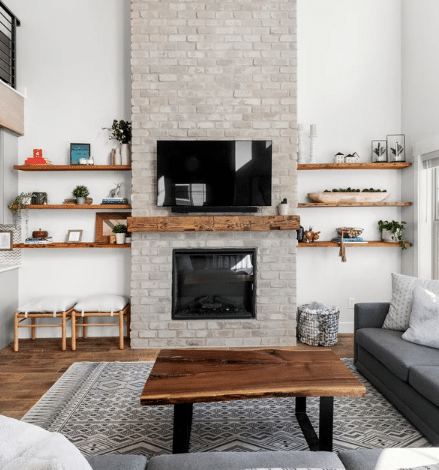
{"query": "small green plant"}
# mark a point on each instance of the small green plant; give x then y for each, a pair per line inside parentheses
(80, 191)
(284, 201)
(20, 202)
(397, 150)
(120, 228)
(396, 229)
(120, 130)
(379, 150)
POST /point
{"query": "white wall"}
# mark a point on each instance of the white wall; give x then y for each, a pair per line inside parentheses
(349, 84)
(420, 91)
(8, 305)
(74, 66)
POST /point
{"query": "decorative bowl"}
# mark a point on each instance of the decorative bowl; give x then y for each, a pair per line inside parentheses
(340, 197)
(350, 232)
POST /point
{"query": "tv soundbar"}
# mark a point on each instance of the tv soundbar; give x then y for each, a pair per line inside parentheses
(238, 209)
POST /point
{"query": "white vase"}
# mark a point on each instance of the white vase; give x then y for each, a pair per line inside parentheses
(386, 236)
(120, 238)
(125, 154)
(80, 200)
(117, 157)
(283, 209)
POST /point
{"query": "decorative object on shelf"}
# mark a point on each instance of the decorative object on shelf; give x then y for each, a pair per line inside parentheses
(40, 234)
(121, 131)
(352, 158)
(128, 238)
(79, 151)
(117, 157)
(70, 202)
(114, 196)
(105, 221)
(39, 198)
(349, 232)
(379, 151)
(112, 239)
(300, 233)
(312, 144)
(396, 148)
(282, 207)
(121, 232)
(339, 157)
(301, 158)
(74, 236)
(80, 193)
(20, 203)
(39, 241)
(115, 192)
(37, 159)
(6, 241)
(86, 161)
(393, 232)
(310, 236)
(349, 196)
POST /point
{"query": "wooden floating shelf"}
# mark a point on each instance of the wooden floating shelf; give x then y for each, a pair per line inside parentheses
(244, 223)
(72, 167)
(354, 166)
(71, 245)
(354, 204)
(79, 206)
(324, 244)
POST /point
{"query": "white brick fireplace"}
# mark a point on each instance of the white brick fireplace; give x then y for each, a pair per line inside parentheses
(209, 69)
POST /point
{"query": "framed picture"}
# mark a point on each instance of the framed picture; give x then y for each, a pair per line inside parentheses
(78, 151)
(74, 236)
(105, 221)
(6, 242)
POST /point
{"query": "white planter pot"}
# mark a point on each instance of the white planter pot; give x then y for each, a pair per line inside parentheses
(386, 236)
(80, 200)
(120, 238)
(125, 154)
(283, 209)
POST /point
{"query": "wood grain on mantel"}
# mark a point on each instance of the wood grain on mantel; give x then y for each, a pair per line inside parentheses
(220, 223)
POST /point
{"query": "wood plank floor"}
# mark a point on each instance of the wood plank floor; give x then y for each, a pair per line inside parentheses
(26, 375)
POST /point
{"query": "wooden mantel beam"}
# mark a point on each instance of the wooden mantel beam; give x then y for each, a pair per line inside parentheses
(220, 223)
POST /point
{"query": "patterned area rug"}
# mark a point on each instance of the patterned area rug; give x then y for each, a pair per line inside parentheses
(96, 406)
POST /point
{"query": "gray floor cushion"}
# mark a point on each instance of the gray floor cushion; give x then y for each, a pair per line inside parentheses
(425, 380)
(241, 460)
(395, 353)
(117, 462)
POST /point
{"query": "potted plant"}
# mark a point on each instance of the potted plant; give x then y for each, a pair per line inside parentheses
(121, 131)
(392, 232)
(283, 207)
(80, 192)
(121, 231)
(20, 203)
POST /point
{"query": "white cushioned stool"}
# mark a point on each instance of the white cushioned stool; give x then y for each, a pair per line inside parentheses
(55, 306)
(105, 305)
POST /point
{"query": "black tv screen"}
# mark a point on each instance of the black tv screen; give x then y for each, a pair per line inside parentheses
(214, 173)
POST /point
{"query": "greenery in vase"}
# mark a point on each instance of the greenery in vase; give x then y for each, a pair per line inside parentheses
(20, 202)
(284, 201)
(379, 150)
(121, 131)
(120, 228)
(397, 150)
(396, 229)
(80, 191)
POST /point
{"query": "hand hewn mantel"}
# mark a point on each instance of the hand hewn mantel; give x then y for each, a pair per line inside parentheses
(214, 223)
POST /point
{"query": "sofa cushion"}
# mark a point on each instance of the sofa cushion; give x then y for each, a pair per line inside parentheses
(425, 380)
(48, 304)
(388, 459)
(102, 303)
(391, 350)
(424, 320)
(117, 462)
(240, 460)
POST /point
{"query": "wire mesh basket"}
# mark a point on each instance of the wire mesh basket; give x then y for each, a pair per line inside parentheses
(317, 327)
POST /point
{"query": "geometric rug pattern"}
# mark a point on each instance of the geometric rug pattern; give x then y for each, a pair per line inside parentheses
(96, 406)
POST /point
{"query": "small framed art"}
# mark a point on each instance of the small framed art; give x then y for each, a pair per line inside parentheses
(74, 236)
(105, 221)
(6, 242)
(396, 148)
(379, 151)
(78, 151)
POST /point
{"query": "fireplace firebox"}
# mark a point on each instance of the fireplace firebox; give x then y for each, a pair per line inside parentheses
(213, 284)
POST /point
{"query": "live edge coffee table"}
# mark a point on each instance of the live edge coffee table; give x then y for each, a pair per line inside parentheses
(184, 377)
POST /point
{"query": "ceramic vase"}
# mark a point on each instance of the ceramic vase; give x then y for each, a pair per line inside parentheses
(386, 236)
(283, 209)
(120, 238)
(125, 154)
(80, 200)
(117, 157)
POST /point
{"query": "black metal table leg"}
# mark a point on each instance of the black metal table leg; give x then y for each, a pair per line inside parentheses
(326, 423)
(305, 424)
(182, 428)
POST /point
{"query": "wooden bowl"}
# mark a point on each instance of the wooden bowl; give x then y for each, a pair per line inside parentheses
(331, 198)
(350, 232)
(40, 234)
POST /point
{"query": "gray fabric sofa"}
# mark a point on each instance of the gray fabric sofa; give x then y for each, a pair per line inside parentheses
(407, 374)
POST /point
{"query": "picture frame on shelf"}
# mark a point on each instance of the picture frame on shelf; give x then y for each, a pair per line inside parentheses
(379, 151)
(396, 148)
(105, 221)
(79, 151)
(6, 241)
(74, 236)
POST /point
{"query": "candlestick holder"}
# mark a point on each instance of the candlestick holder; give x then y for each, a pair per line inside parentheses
(312, 148)
(301, 158)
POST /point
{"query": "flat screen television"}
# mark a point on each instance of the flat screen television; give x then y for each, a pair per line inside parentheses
(213, 173)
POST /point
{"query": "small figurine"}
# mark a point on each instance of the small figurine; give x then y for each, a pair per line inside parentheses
(339, 157)
(115, 192)
(310, 236)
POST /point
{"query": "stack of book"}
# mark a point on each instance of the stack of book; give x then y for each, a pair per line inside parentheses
(115, 200)
(39, 241)
(349, 240)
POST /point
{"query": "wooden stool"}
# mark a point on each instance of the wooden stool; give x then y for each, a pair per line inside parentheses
(124, 315)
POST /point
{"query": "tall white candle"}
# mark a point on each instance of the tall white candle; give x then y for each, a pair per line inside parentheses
(313, 129)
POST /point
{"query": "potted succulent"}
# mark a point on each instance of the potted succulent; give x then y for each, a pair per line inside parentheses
(20, 203)
(121, 232)
(392, 232)
(121, 131)
(283, 207)
(80, 192)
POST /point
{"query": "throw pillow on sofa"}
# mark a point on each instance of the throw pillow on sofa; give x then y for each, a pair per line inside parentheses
(400, 308)
(424, 319)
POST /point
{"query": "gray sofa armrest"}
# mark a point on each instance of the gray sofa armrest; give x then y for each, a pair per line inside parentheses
(368, 315)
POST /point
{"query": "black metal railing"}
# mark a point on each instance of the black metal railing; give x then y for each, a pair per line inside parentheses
(8, 45)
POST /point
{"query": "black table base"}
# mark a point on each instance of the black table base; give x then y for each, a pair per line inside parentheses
(183, 422)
